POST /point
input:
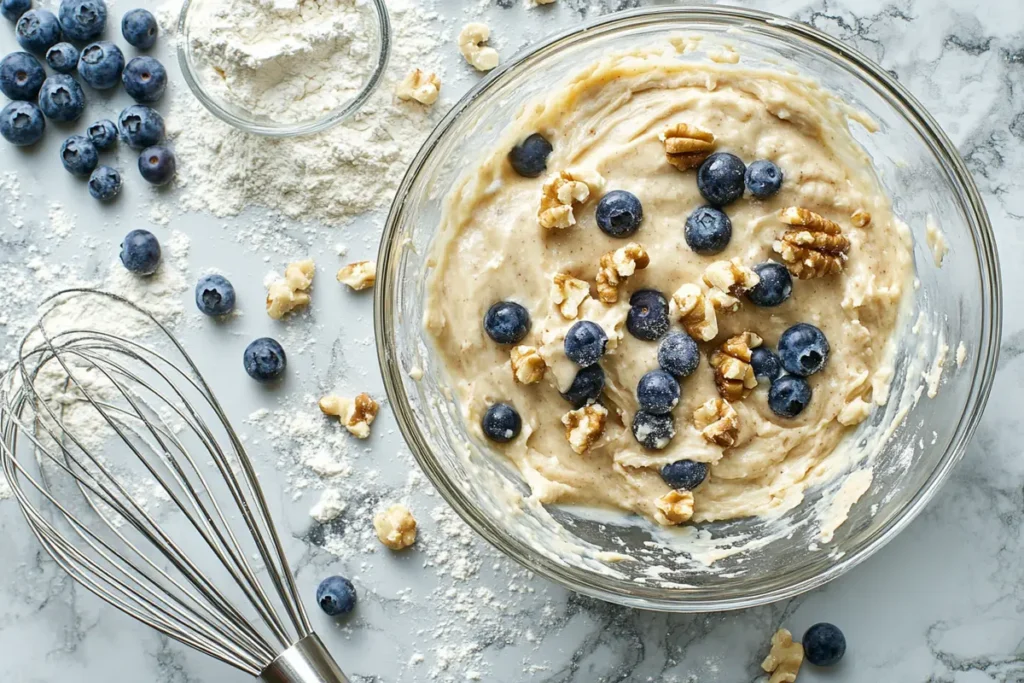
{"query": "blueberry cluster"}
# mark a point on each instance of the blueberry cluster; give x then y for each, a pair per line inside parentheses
(59, 97)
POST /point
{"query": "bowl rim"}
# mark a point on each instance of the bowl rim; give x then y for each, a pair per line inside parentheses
(382, 24)
(988, 351)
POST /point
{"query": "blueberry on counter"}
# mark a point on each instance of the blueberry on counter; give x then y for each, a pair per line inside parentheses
(37, 30)
(764, 178)
(585, 342)
(765, 363)
(79, 155)
(140, 126)
(83, 20)
(803, 349)
(63, 58)
(103, 134)
(789, 396)
(157, 165)
(61, 98)
(264, 360)
(684, 474)
(140, 252)
(708, 230)
(145, 79)
(215, 295)
(104, 183)
(678, 355)
(22, 123)
(506, 322)
(530, 157)
(619, 213)
(101, 64)
(657, 392)
(648, 315)
(139, 28)
(774, 287)
(336, 596)
(824, 644)
(586, 386)
(720, 179)
(13, 9)
(501, 423)
(21, 76)
(652, 431)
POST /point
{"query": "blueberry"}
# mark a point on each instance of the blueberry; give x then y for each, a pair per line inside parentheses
(586, 386)
(264, 360)
(13, 9)
(145, 79)
(765, 363)
(530, 157)
(37, 30)
(584, 343)
(763, 178)
(789, 396)
(803, 349)
(104, 183)
(657, 392)
(684, 474)
(648, 315)
(215, 295)
(824, 644)
(140, 126)
(21, 123)
(619, 213)
(708, 230)
(62, 58)
(507, 322)
(157, 165)
(775, 286)
(79, 155)
(103, 134)
(100, 65)
(653, 431)
(678, 355)
(61, 98)
(83, 20)
(336, 596)
(140, 252)
(501, 423)
(139, 28)
(21, 76)
(720, 178)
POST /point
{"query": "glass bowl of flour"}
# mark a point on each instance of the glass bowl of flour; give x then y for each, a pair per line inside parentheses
(283, 67)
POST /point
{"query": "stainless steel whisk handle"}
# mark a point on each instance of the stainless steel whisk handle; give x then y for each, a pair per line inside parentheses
(307, 661)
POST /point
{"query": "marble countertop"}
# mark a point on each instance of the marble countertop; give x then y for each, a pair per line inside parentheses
(941, 603)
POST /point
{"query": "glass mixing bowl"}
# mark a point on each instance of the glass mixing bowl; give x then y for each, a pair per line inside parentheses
(919, 439)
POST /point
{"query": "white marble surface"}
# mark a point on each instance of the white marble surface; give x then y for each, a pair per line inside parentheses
(941, 603)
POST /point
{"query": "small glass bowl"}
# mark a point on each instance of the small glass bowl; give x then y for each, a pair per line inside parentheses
(245, 121)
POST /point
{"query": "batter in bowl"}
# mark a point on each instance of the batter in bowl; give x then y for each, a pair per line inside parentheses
(554, 233)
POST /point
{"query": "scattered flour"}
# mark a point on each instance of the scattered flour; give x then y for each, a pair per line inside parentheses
(329, 507)
(61, 222)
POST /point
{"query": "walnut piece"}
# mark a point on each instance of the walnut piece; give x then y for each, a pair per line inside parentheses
(471, 44)
(395, 527)
(687, 146)
(734, 375)
(696, 312)
(727, 281)
(815, 247)
(527, 365)
(356, 414)
(675, 507)
(616, 266)
(717, 422)
(568, 293)
(291, 291)
(860, 218)
(784, 660)
(419, 85)
(558, 195)
(358, 275)
(583, 427)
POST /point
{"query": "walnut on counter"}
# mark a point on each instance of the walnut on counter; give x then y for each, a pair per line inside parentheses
(357, 414)
(687, 146)
(815, 247)
(395, 527)
(675, 507)
(558, 195)
(359, 275)
(471, 44)
(584, 426)
(569, 293)
(734, 376)
(784, 660)
(717, 421)
(616, 266)
(528, 366)
(287, 293)
(421, 86)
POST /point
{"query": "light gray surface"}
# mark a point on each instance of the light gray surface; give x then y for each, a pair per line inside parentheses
(941, 603)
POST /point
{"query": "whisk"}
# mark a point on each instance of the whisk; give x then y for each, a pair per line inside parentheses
(129, 474)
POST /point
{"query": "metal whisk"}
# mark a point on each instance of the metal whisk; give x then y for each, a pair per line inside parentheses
(129, 474)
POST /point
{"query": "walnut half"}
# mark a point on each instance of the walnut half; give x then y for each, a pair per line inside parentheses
(421, 86)
(395, 527)
(687, 146)
(292, 291)
(696, 312)
(675, 507)
(815, 247)
(528, 366)
(558, 195)
(784, 660)
(616, 266)
(717, 422)
(357, 414)
(583, 427)
(471, 44)
(569, 293)
(359, 275)
(734, 375)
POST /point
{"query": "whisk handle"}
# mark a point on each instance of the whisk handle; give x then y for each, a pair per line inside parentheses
(307, 661)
